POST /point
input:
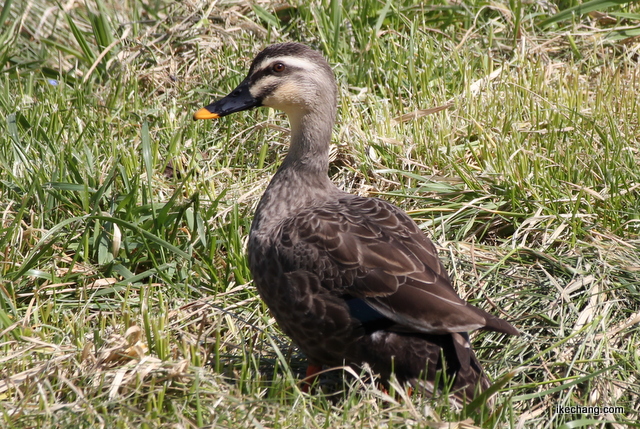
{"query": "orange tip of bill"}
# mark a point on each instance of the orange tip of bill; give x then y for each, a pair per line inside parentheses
(205, 114)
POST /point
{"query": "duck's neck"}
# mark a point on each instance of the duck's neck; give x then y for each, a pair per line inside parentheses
(310, 138)
(301, 181)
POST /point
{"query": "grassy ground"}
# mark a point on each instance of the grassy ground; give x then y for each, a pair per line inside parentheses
(125, 298)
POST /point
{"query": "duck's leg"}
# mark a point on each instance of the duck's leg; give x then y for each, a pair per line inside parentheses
(383, 389)
(311, 376)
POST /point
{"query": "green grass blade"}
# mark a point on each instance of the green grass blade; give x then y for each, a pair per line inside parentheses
(146, 234)
(88, 55)
(270, 19)
(581, 9)
(382, 16)
(6, 8)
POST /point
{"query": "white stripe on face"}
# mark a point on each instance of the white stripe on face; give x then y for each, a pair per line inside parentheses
(298, 62)
(257, 89)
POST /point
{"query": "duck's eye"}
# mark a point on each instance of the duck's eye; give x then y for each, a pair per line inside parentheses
(278, 67)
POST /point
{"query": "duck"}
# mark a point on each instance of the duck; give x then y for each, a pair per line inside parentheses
(350, 279)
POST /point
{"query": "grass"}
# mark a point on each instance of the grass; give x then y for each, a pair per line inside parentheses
(125, 298)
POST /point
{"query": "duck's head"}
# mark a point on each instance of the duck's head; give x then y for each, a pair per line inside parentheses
(289, 76)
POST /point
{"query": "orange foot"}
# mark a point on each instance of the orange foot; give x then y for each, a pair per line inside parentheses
(384, 389)
(311, 377)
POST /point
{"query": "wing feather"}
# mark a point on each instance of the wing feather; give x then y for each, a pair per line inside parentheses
(369, 249)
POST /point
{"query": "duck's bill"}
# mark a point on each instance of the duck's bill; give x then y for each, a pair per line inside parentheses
(238, 100)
